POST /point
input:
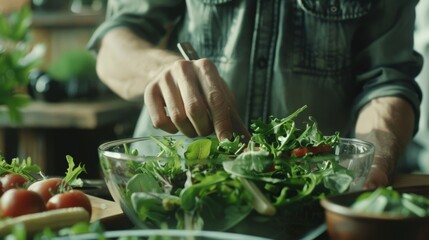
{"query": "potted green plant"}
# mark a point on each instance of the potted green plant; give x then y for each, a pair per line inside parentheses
(18, 57)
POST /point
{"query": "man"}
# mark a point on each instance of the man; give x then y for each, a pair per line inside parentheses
(352, 62)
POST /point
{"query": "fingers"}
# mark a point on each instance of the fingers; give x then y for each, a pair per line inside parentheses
(194, 104)
(378, 175)
(175, 106)
(165, 106)
(218, 99)
(154, 103)
(175, 102)
(197, 101)
(238, 125)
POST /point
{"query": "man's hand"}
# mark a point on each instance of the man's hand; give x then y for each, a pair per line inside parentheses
(191, 97)
(379, 174)
(388, 123)
(186, 96)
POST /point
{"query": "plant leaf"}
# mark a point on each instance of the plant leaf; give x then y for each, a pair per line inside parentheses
(198, 149)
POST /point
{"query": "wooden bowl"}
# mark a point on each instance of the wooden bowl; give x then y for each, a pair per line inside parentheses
(343, 223)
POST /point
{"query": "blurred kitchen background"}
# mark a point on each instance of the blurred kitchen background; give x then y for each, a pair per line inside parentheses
(70, 112)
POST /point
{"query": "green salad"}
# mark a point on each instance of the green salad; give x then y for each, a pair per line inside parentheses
(388, 201)
(218, 186)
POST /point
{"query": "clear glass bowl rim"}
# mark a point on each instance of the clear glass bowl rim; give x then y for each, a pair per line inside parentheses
(102, 149)
(167, 233)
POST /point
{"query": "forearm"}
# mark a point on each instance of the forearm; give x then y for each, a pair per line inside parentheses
(388, 123)
(126, 63)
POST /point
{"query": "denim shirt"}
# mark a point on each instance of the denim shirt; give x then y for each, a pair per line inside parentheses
(278, 55)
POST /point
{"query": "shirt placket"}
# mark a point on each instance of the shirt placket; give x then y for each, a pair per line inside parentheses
(262, 59)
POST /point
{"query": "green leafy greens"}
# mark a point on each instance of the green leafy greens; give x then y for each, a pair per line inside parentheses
(204, 186)
(284, 176)
(388, 201)
(23, 167)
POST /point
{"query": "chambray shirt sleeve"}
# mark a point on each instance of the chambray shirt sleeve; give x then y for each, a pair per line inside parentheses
(386, 62)
(148, 18)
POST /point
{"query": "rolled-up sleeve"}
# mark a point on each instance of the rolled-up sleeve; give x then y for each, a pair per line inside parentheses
(386, 63)
(148, 18)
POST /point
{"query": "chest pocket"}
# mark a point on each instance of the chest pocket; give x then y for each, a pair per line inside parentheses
(336, 10)
(323, 31)
(214, 21)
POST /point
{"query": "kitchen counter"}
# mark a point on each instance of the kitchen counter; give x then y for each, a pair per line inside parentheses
(407, 180)
(73, 127)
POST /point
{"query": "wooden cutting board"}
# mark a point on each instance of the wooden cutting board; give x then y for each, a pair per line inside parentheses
(109, 213)
(103, 209)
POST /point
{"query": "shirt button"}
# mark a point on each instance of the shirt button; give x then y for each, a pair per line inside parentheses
(262, 62)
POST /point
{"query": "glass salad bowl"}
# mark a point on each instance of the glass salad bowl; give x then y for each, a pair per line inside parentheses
(174, 182)
(269, 186)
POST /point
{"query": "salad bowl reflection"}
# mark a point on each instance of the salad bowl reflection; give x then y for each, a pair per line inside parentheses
(178, 183)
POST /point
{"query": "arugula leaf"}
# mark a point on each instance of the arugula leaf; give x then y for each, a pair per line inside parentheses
(168, 147)
(24, 167)
(72, 174)
(280, 136)
(231, 147)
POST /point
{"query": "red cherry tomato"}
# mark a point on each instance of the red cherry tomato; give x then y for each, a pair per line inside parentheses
(13, 180)
(46, 187)
(300, 152)
(74, 198)
(17, 202)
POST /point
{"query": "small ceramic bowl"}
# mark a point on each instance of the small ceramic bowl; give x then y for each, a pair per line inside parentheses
(344, 223)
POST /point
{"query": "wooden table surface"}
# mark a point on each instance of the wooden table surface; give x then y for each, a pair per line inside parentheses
(71, 114)
(409, 180)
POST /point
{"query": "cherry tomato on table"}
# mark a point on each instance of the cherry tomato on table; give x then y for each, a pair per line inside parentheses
(73, 198)
(17, 202)
(13, 180)
(46, 187)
